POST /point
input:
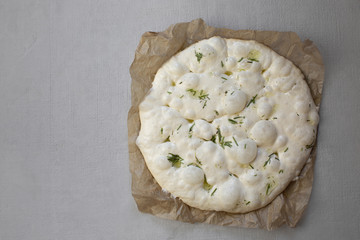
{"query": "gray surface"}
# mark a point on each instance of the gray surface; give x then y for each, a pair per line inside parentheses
(64, 97)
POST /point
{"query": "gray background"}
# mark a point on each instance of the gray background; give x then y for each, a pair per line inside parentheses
(64, 97)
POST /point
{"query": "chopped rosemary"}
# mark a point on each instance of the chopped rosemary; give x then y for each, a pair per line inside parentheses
(233, 174)
(194, 164)
(309, 146)
(222, 141)
(252, 100)
(235, 141)
(224, 78)
(213, 192)
(197, 160)
(222, 64)
(232, 121)
(204, 105)
(198, 56)
(269, 159)
(191, 91)
(239, 117)
(175, 160)
(253, 59)
(228, 144)
(286, 149)
(218, 132)
(213, 138)
(247, 203)
(191, 128)
(241, 59)
(251, 166)
(179, 127)
(203, 96)
(169, 92)
(268, 186)
(181, 96)
(206, 185)
(167, 139)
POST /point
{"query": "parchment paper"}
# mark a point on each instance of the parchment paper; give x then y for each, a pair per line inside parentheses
(154, 49)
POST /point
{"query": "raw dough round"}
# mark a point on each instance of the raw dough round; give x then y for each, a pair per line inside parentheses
(227, 125)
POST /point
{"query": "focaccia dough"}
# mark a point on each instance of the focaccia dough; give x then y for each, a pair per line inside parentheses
(227, 125)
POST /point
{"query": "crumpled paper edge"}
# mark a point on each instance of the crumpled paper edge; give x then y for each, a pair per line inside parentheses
(154, 49)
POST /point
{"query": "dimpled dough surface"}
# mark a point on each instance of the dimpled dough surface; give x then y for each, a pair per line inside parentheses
(227, 125)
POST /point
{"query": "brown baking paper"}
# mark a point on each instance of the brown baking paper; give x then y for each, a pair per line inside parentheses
(154, 49)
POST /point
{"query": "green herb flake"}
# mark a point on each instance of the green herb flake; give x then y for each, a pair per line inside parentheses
(179, 127)
(206, 185)
(190, 90)
(169, 92)
(224, 78)
(281, 171)
(198, 161)
(245, 146)
(232, 121)
(228, 144)
(222, 142)
(309, 146)
(218, 132)
(251, 166)
(241, 59)
(274, 117)
(286, 149)
(194, 164)
(162, 130)
(268, 186)
(253, 60)
(239, 117)
(269, 159)
(204, 105)
(222, 64)
(181, 96)
(191, 128)
(216, 112)
(252, 100)
(235, 141)
(213, 192)
(213, 138)
(247, 203)
(203, 96)
(233, 174)
(175, 160)
(167, 139)
(198, 56)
